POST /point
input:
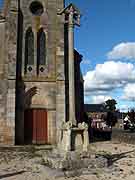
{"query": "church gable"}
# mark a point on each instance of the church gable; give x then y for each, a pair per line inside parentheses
(40, 36)
(32, 57)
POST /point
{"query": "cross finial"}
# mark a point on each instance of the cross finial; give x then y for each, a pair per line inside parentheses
(74, 11)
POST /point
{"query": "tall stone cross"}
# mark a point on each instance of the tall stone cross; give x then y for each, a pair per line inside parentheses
(72, 18)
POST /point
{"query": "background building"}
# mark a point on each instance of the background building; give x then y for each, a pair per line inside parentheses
(95, 111)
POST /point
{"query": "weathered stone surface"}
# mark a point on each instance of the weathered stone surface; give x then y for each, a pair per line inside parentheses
(13, 34)
(73, 161)
(26, 83)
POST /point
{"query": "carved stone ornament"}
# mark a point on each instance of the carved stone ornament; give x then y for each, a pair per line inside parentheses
(83, 126)
(71, 9)
(67, 125)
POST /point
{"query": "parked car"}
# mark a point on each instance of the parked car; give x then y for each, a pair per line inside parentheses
(128, 124)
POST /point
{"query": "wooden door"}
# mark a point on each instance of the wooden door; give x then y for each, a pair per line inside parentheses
(40, 126)
(36, 124)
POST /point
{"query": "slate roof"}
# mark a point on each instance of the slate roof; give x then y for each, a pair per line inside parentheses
(94, 108)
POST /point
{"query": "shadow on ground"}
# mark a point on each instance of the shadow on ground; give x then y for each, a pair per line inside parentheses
(11, 174)
(116, 157)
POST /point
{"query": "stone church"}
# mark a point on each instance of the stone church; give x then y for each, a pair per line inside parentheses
(35, 88)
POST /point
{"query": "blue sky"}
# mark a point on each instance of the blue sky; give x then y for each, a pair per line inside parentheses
(106, 39)
(1, 2)
(104, 24)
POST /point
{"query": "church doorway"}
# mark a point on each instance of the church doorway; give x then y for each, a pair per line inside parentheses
(35, 126)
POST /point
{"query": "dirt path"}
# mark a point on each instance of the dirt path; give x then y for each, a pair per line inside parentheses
(17, 165)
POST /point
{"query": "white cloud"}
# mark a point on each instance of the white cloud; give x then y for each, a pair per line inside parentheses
(101, 82)
(108, 76)
(125, 50)
(129, 92)
(100, 99)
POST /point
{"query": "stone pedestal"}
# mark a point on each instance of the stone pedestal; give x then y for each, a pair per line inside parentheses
(74, 138)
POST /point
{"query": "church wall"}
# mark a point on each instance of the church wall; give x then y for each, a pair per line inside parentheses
(45, 98)
(2, 46)
(60, 72)
(38, 95)
(8, 41)
(29, 20)
(45, 84)
(54, 76)
(15, 83)
(11, 35)
(4, 130)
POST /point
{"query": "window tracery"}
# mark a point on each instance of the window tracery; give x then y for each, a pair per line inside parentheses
(29, 49)
(41, 49)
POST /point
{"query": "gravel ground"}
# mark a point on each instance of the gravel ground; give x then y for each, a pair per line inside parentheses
(27, 164)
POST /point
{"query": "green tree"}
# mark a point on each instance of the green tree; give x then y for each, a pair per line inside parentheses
(111, 118)
(110, 105)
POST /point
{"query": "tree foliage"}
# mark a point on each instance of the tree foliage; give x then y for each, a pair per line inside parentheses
(111, 118)
(110, 104)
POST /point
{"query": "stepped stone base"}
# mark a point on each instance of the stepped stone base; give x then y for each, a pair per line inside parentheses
(73, 160)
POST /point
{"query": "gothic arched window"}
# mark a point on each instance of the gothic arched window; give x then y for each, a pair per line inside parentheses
(29, 49)
(41, 49)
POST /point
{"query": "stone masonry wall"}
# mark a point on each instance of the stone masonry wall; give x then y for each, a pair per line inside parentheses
(8, 41)
(51, 86)
(3, 86)
(12, 23)
(60, 72)
(43, 97)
